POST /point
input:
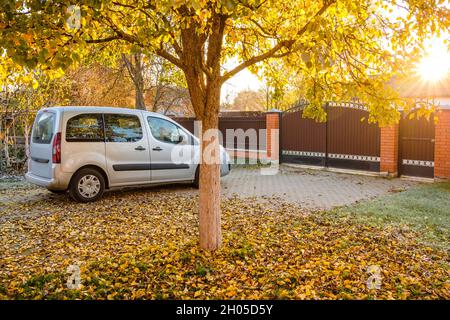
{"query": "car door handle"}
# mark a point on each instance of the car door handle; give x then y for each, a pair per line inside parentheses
(40, 160)
(157, 149)
(140, 148)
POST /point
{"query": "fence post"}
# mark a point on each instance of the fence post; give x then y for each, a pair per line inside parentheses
(389, 150)
(273, 122)
(442, 145)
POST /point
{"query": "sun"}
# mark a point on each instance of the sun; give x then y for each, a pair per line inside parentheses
(435, 66)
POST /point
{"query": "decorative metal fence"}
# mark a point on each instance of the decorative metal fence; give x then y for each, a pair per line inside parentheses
(345, 140)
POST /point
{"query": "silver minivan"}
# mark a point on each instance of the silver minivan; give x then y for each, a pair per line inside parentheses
(86, 150)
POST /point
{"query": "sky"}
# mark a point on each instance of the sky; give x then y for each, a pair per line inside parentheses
(244, 80)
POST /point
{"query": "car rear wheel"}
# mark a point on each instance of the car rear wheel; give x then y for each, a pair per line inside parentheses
(87, 185)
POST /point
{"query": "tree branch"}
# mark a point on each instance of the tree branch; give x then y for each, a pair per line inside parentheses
(272, 52)
(130, 68)
(166, 55)
(132, 39)
(175, 44)
(255, 59)
(108, 39)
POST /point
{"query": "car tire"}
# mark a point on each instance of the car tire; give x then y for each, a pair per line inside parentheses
(196, 182)
(87, 185)
(57, 191)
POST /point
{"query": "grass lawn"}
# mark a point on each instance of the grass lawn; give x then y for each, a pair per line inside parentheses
(143, 244)
(424, 208)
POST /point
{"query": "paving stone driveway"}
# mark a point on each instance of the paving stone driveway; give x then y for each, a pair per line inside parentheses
(312, 189)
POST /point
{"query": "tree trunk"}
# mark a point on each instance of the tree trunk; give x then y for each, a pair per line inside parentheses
(204, 81)
(26, 130)
(16, 151)
(209, 191)
(139, 82)
(209, 184)
(26, 135)
(6, 150)
(135, 70)
(139, 99)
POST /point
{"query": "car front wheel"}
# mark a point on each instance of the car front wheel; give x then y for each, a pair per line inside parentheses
(87, 185)
(196, 183)
(57, 191)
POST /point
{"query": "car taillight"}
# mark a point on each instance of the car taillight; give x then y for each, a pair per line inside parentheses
(56, 150)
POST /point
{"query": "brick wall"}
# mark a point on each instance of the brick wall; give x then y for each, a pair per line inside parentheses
(272, 123)
(442, 146)
(389, 150)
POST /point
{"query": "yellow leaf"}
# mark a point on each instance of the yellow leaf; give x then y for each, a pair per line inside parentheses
(197, 294)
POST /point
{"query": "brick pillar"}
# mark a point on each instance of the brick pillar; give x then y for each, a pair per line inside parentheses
(442, 146)
(273, 118)
(389, 150)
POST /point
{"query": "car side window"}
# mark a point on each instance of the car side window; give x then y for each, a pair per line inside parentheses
(166, 131)
(85, 128)
(122, 128)
(186, 139)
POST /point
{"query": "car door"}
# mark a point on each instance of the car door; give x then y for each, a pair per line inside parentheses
(84, 141)
(44, 131)
(127, 152)
(170, 151)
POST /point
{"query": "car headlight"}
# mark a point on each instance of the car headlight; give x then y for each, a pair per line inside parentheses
(227, 156)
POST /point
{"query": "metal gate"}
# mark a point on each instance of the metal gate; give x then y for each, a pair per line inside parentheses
(345, 140)
(416, 147)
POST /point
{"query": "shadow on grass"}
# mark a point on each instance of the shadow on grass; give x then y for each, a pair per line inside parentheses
(424, 208)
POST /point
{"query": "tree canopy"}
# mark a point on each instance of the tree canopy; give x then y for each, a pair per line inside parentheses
(344, 49)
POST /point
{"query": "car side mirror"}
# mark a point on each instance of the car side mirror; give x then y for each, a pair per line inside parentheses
(180, 139)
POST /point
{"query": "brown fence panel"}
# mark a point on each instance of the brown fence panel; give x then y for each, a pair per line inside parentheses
(186, 122)
(237, 120)
(352, 142)
(303, 140)
(416, 147)
(253, 138)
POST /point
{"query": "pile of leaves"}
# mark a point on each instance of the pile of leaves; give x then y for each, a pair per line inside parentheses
(144, 245)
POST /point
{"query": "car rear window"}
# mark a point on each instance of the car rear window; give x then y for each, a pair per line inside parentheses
(43, 128)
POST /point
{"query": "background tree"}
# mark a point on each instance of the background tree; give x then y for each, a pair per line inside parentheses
(159, 85)
(135, 66)
(343, 48)
(22, 93)
(147, 82)
(115, 89)
(247, 100)
(282, 85)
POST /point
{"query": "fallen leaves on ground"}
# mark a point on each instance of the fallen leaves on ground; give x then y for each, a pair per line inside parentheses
(143, 245)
